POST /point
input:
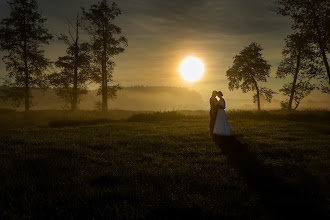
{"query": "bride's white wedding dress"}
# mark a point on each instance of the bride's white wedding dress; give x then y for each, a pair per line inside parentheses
(221, 126)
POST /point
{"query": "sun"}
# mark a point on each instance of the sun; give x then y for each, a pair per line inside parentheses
(191, 69)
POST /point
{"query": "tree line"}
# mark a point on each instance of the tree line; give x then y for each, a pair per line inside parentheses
(22, 35)
(304, 56)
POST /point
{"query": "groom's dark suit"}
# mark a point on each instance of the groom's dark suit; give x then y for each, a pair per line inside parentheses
(213, 112)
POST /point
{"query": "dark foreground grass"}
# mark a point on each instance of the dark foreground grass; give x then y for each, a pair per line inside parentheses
(165, 169)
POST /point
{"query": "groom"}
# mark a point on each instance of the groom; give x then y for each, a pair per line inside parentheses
(213, 110)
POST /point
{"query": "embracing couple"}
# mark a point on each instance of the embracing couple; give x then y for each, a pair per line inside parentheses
(219, 124)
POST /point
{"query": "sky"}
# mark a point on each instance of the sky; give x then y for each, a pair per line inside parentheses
(162, 33)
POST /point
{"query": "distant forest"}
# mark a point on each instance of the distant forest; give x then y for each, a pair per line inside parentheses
(134, 98)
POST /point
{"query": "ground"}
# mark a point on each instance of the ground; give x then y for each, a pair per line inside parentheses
(126, 165)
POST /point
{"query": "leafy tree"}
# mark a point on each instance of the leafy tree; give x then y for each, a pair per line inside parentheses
(105, 44)
(70, 82)
(310, 17)
(302, 89)
(249, 68)
(298, 61)
(21, 36)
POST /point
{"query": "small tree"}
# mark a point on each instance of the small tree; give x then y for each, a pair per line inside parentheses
(249, 68)
(21, 36)
(75, 70)
(298, 61)
(310, 17)
(105, 43)
(302, 89)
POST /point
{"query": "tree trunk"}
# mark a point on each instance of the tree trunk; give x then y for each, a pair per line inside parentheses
(75, 87)
(104, 98)
(320, 42)
(26, 89)
(104, 75)
(324, 57)
(293, 89)
(26, 75)
(75, 71)
(258, 95)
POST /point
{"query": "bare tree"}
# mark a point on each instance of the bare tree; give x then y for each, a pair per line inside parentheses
(75, 69)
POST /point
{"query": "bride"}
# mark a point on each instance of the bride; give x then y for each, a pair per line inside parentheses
(221, 126)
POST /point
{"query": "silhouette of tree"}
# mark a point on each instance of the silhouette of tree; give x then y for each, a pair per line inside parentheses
(310, 17)
(298, 61)
(249, 68)
(21, 36)
(302, 89)
(105, 44)
(75, 69)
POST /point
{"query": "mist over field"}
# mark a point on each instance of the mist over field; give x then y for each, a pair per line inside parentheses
(155, 98)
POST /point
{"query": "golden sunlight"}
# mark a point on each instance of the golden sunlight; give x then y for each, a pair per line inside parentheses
(191, 69)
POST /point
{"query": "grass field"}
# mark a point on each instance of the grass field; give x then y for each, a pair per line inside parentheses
(124, 165)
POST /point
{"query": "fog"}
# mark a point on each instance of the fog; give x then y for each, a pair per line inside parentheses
(155, 98)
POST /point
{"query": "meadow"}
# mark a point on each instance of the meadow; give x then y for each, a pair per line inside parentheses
(163, 165)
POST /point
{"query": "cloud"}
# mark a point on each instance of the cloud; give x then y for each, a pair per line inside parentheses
(232, 17)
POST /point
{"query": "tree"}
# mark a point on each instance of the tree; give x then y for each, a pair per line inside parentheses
(249, 68)
(70, 82)
(302, 89)
(298, 61)
(21, 36)
(310, 17)
(105, 44)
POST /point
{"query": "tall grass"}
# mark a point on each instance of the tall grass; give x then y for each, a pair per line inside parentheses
(56, 118)
(306, 115)
(156, 116)
(161, 165)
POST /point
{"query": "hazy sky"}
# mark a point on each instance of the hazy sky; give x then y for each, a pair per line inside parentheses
(161, 33)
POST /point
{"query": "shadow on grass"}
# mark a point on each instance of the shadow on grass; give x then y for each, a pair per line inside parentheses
(281, 200)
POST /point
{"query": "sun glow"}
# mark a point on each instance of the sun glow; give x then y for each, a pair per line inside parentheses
(191, 69)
